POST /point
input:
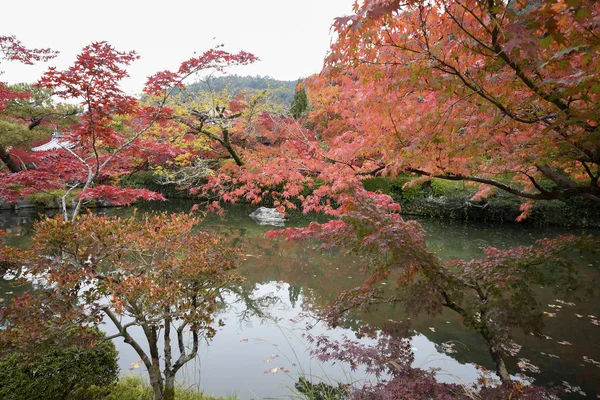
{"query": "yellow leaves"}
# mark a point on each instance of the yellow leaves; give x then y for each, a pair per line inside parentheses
(185, 159)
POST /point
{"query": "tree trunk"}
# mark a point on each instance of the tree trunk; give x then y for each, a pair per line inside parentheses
(501, 370)
(486, 333)
(169, 393)
(229, 147)
(494, 350)
(156, 382)
(235, 155)
(8, 161)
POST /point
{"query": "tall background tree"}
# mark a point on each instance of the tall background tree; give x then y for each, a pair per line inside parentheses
(299, 107)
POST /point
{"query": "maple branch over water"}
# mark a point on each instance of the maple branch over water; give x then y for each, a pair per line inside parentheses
(567, 188)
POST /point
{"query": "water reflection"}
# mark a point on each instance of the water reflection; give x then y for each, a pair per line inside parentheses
(261, 357)
(260, 351)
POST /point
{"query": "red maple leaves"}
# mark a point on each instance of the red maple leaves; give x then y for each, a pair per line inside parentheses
(119, 196)
(114, 134)
(214, 59)
(13, 50)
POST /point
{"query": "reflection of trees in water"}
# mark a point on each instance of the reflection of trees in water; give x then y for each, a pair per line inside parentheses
(294, 293)
(17, 224)
(320, 277)
(249, 305)
(315, 278)
(10, 288)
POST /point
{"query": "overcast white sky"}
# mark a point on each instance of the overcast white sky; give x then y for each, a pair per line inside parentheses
(291, 37)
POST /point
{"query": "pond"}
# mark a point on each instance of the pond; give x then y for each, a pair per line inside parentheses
(260, 351)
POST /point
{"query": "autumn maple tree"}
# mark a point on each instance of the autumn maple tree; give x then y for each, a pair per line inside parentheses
(493, 295)
(156, 274)
(81, 157)
(223, 124)
(13, 133)
(502, 94)
(108, 138)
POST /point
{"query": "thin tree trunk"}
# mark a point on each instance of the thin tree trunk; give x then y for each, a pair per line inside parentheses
(152, 363)
(156, 380)
(494, 350)
(235, 155)
(169, 393)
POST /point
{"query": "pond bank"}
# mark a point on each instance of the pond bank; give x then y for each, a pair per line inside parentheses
(452, 199)
(439, 198)
(436, 198)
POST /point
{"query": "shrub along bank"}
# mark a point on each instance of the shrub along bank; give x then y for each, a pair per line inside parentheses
(452, 199)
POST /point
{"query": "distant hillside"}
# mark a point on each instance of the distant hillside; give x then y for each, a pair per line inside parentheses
(281, 92)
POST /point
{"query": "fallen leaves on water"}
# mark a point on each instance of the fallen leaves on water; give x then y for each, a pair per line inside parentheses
(564, 303)
(135, 365)
(276, 370)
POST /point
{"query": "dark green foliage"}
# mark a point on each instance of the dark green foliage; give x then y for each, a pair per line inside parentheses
(300, 106)
(281, 92)
(72, 373)
(452, 199)
(51, 198)
(392, 187)
(149, 180)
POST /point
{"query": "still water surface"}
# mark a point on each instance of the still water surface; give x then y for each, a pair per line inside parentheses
(260, 351)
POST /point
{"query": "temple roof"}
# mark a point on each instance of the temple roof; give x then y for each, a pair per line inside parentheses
(54, 144)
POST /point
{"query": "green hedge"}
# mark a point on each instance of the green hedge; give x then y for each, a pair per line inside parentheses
(451, 199)
(51, 199)
(149, 180)
(60, 373)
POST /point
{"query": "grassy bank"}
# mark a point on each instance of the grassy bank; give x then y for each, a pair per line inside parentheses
(135, 388)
